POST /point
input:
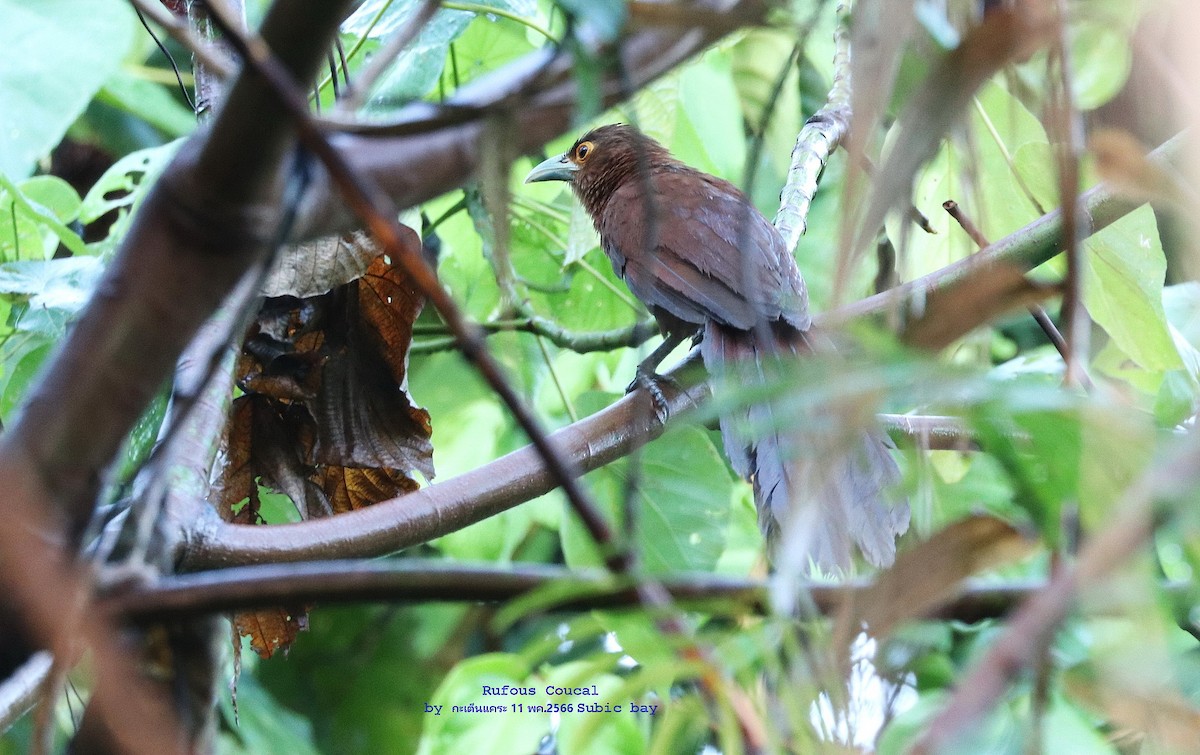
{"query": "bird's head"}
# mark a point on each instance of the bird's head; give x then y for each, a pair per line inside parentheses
(600, 161)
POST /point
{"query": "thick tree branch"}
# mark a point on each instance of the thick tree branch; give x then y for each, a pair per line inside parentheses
(1028, 247)
(198, 230)
(417, 580)
(436, 148)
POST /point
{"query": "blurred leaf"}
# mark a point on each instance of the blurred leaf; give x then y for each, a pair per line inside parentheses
(953, 311)
(152, 102)
(712, 137)
(930, 574)
(1123, 163)
(50, 292)
(597, 21)
(43, 92)
(1123, 274)
(34, 216)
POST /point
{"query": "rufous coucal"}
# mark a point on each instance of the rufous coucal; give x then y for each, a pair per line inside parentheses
(706, 263)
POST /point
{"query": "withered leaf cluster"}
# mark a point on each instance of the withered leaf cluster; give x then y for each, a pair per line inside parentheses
(325, 415)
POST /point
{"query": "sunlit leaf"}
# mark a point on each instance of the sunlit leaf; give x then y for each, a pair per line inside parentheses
(42, 93)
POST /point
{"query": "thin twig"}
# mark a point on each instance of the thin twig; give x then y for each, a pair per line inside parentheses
(1067, 123)
(362, 83)
(376, 208)
(1037, 310)
(821, 135)
(179, 31)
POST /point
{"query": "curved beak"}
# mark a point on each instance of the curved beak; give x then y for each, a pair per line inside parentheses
(557, 168)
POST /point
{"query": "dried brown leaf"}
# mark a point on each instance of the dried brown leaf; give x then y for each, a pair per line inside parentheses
(350, 488)
(1122, 161)
(317, 267)
(953, 311)
(1162, 716)
(271, 629)
(930, 574)
(389, 303)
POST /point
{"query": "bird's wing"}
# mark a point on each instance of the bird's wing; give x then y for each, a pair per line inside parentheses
(715, 253)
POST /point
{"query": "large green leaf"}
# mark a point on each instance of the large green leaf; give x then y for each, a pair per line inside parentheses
(418, 68)
(974, 170)
(151, 102)
(682, 505)
(1123, 272)
(57, 54)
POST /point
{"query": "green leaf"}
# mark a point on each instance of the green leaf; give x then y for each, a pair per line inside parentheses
(33, 218)
(417, 69)
(975, 172)
(57, 54)
(152, 102)
(682, 505)
(712, 137)
(756, 59)
(1123, 272)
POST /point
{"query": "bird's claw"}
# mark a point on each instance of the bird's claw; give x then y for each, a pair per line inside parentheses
(652, 383)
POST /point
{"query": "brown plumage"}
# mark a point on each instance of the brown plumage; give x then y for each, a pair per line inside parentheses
(705, 261)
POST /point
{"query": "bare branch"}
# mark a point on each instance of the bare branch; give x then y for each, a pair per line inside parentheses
(19, 692)
(209, 55)
(821, 135)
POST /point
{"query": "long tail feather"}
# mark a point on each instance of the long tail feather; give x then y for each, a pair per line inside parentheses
(849, 495)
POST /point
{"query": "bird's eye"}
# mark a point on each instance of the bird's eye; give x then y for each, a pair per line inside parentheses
(582, 151)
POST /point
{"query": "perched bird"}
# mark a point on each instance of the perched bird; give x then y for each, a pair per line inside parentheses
(707, 264)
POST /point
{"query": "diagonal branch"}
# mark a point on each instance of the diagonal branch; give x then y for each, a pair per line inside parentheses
(402, 244)
(428, 149)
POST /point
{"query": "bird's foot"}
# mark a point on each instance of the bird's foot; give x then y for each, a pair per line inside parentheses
(653, 383)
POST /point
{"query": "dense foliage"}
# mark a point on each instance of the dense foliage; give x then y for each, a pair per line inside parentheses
(1057, 462)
